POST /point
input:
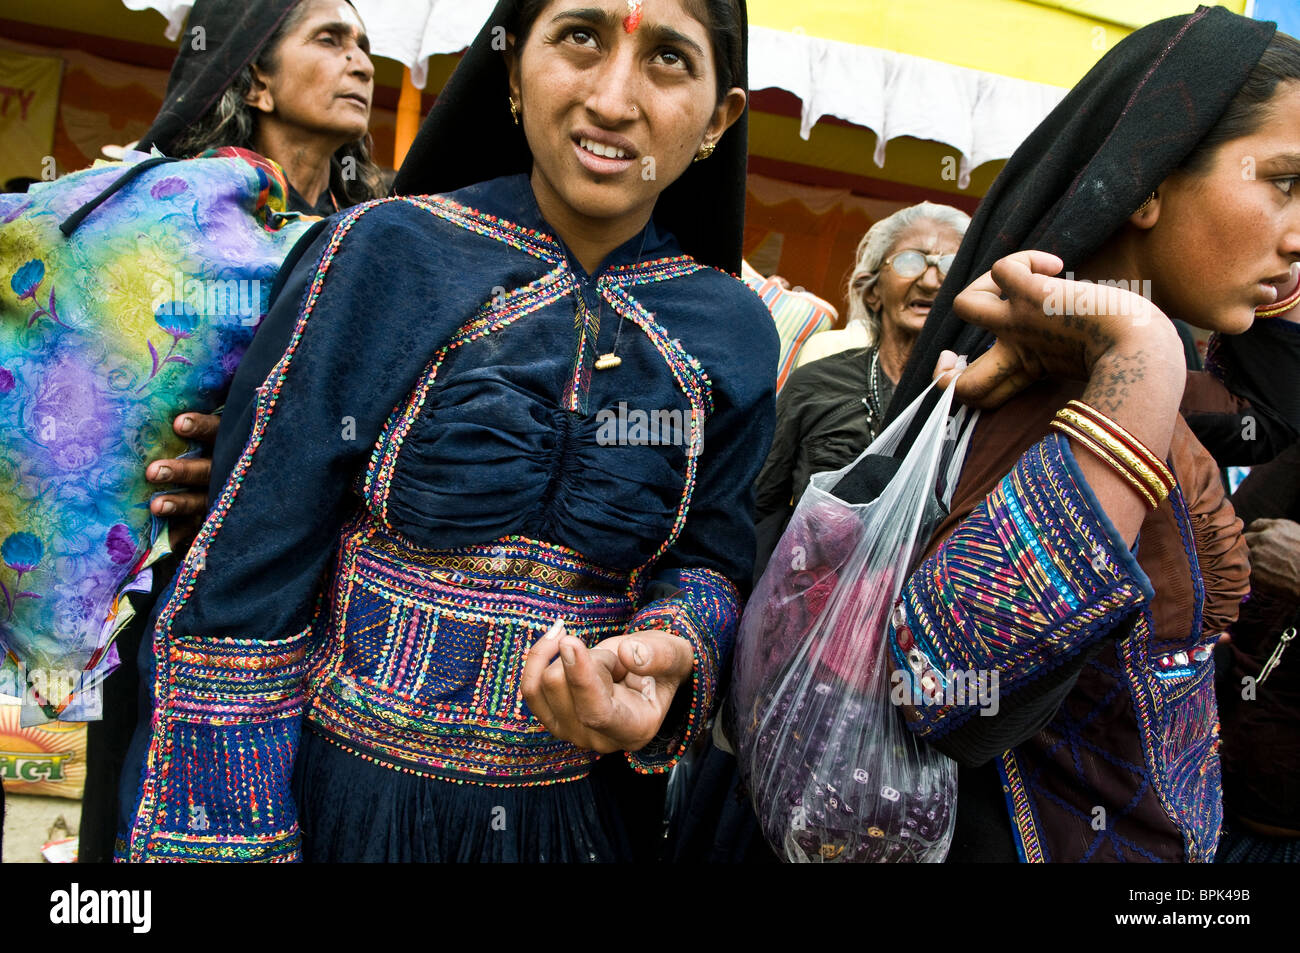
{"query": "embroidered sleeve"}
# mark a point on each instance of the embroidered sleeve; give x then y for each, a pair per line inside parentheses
(1034, 577)
(216, 776)
(230, 643)
(704, 612)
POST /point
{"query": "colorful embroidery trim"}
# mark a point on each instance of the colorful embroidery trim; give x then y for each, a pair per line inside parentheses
(1022, 812)
(228, 734)
(1026, 581)
(587, 325)
(492, 317)
(707, 619)
(536, 243)
(690, 377)
(420, 665)
(693, 383)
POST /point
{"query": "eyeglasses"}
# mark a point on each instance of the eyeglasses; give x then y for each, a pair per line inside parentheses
(911, 262)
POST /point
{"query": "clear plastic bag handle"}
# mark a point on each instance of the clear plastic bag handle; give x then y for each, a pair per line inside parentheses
(890, 439)
(963, 426)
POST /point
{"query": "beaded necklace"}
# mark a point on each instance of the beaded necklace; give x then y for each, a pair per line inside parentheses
(873, 399)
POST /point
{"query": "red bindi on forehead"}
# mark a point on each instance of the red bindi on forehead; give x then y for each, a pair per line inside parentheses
(633, 18)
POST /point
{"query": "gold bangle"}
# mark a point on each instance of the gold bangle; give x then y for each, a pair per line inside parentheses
(1119, 450)
(1137, 446)
(1103, 454)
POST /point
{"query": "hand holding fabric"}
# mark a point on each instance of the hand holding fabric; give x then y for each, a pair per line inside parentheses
(186, 510)
(612, 697)
(195, 472)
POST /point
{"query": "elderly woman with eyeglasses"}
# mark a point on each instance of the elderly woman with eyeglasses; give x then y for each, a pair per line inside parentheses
(832, 408)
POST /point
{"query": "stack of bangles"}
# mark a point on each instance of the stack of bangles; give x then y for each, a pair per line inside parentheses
(1124, 453)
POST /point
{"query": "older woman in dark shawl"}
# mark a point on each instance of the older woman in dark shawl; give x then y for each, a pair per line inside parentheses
(1104, 746)
(288, 79)
(285, 80)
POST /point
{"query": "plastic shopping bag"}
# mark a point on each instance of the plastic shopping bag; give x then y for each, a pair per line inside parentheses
(823, 750)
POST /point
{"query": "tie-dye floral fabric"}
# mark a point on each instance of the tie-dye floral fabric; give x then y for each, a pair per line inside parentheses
(106, 334)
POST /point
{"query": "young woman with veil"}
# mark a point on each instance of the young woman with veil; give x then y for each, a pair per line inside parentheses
(1091, 559)
(451, 566)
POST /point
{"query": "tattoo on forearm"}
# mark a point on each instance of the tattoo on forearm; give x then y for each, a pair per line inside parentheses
(1109, 386)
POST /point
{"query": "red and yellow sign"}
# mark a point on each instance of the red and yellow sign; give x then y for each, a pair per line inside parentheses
(47, 759)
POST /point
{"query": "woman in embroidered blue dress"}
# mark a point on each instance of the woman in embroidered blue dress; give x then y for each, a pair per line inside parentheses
(470, 415)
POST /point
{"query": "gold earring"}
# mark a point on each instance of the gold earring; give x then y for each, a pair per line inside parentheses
(1146, 205)
(706, 150)
(514, 110)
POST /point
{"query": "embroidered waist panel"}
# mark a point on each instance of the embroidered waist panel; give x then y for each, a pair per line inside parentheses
(419, 669)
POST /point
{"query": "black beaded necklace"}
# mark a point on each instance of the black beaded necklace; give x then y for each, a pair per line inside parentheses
(874, 400)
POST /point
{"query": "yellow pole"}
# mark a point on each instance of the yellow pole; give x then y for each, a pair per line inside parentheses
(408, 118)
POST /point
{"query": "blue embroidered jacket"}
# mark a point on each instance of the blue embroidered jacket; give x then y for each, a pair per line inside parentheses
(424, 472)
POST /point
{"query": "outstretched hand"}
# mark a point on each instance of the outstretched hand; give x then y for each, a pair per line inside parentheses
(612, 697)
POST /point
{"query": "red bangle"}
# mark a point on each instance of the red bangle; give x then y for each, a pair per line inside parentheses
(1134, 445)
(1108, 458)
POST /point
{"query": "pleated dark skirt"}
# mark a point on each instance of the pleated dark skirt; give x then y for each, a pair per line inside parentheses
(352, 810)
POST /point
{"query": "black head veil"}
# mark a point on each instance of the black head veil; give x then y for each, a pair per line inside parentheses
(1130, 122)
(234, 32)
(704, 209)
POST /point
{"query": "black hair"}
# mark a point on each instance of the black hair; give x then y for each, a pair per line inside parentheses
(232, 122)
(1248, 111)
(721, 18)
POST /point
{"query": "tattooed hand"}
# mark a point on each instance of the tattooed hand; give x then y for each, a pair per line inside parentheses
(1053, 327)
(1118, 341)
